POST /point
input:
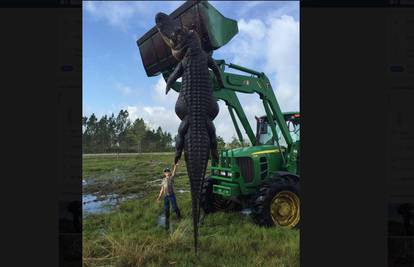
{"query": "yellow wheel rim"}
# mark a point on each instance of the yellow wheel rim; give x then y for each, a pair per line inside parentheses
(285, 209)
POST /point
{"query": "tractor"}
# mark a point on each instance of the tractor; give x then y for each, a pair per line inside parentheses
(264, 176)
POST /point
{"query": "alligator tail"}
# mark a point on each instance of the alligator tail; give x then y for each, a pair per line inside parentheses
(197, 141)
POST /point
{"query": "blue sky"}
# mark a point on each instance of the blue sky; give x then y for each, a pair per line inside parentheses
(114, 77)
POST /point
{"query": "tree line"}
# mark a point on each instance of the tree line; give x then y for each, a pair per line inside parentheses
(118, 134)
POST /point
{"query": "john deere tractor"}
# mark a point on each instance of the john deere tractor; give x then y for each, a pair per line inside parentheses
(263, 176)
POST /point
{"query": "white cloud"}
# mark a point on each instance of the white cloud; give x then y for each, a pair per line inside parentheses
(115, 13)
(159, 95)
(123, 14)
(155, 116)
(253, 29)
(270, 45)
(127, 90)
(283, 64)
(290, 8)
(162, 113)
(224, 125)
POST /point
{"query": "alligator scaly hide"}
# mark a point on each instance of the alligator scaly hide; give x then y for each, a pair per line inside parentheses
(196, 106)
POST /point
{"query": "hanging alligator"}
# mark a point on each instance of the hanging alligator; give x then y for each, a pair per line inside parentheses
(196, 106)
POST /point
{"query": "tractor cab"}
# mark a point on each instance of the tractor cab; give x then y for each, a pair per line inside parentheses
(264, 134)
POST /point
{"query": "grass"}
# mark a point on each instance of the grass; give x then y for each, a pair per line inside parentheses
(129, 235)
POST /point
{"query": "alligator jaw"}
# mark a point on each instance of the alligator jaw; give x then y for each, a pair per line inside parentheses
(172, 34)
(165, 26)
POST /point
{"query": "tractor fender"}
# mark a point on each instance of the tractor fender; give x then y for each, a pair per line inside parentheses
(286, 174)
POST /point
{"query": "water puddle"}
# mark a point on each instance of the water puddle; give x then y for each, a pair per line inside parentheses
(90, 181)
(246, 211)
(182, 191)
(161, 220)
(94, 205)
(91, 204)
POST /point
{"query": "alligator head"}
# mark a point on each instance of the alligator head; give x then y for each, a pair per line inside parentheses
(175, 36)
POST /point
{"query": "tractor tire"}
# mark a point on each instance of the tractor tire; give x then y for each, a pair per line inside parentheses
(277, 203)
(210, 202)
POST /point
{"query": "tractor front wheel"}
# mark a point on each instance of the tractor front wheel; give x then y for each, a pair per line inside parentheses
(211, 202)
(277, 203)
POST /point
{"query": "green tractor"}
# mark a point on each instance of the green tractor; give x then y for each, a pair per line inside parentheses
(264, 176)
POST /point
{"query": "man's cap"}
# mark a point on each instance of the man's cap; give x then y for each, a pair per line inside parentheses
(167, 170)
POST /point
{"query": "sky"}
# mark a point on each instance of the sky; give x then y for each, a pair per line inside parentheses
(114, 77)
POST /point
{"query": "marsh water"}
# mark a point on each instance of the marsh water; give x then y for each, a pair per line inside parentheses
(92, 204)
(96, 203)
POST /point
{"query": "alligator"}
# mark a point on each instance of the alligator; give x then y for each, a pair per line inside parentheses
(196, 106)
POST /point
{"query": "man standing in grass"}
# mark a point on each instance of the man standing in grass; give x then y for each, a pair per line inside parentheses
(168, 190)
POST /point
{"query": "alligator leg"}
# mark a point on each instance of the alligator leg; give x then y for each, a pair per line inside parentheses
(216, 70)
(177, 73)
(179, 142)
(213, 139)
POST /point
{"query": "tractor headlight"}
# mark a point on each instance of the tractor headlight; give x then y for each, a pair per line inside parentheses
(226, 174)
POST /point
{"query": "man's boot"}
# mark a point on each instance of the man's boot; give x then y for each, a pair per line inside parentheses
(167, 220)
(177, 211)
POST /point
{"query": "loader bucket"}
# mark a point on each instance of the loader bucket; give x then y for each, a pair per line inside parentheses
(214, 29)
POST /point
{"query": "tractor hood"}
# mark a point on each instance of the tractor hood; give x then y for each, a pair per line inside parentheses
(253, 151)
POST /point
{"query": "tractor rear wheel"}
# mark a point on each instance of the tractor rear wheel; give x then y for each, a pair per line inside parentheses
(211, 202)
(277, 203)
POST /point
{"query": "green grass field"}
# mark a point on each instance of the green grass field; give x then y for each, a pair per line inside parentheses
(129, 235)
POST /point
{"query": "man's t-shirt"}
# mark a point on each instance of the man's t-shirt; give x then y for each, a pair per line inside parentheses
(167, 183)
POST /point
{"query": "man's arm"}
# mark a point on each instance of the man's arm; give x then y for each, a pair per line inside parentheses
(174, 170)
(161, 192)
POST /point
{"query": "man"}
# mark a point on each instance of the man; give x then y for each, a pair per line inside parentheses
(168, 190)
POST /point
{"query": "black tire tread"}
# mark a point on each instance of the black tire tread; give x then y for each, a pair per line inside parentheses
(208, 201)
(261, 201)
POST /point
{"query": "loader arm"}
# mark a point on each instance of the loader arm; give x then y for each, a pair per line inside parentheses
(255, 82)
